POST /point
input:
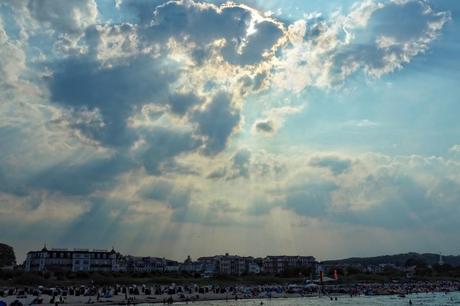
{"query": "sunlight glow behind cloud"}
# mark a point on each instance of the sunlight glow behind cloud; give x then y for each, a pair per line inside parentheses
(178, 122)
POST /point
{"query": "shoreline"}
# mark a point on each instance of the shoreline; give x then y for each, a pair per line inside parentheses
(192, 293)
(158, 300)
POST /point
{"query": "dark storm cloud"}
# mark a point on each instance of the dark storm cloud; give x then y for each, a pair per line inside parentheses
(217, 122)
(116, 91)
(181, 103)
(335, 164)
(163, 146)
(203, 24)
(81, 179)
(116, 88)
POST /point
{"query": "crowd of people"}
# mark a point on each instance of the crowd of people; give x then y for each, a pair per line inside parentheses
(168, 294)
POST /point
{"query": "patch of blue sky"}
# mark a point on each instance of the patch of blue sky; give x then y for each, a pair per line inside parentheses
(410, 112)
(9, 22)
(298, 9)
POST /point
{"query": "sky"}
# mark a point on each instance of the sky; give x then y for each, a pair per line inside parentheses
(255, 127)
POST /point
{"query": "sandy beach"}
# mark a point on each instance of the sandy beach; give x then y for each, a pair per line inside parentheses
(132, 295)
(141, 299)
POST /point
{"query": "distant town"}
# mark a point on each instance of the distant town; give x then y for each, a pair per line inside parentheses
(76, 276)
(86, 260)
(97, 260)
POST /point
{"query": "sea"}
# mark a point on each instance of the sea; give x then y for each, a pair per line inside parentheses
(432, 299)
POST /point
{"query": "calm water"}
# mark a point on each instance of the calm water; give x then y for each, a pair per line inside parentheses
(417, 299)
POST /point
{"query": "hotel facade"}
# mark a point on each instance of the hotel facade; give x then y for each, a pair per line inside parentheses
(85, 260)
(76, 260)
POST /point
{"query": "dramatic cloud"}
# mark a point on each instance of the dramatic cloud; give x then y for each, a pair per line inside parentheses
(163, 146)
(377, 38)
(81, 179)
(115, 91)
(217, 122)
(247, 36)
(138, 120)
(401, 30)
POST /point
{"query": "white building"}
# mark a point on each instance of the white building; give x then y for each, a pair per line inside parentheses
(253, 268)
(76, 260)
(229, 265)
(191, 266)
(145, 264)
(171, 266)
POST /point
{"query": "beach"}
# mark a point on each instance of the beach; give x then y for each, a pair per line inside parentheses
(145, 295)
(417, 299)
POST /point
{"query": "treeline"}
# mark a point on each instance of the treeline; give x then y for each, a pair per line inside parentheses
(421, 271)
(398, 260)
